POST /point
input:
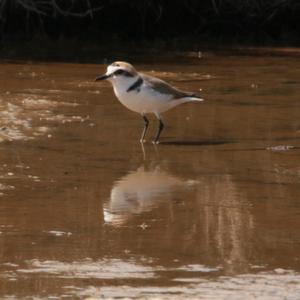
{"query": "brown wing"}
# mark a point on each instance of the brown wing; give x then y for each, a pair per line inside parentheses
(164, 88)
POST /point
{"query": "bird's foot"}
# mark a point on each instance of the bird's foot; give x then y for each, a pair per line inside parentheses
(142, 141)
(155, 142)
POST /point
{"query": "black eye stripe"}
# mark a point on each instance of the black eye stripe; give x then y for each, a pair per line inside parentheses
(123, 72)
(119, 72)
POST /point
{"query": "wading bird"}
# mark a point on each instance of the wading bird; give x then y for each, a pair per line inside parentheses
(144, 94)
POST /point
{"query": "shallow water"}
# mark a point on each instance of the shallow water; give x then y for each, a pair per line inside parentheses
(210, 213)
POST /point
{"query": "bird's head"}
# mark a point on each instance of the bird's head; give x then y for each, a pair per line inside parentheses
(118, 71)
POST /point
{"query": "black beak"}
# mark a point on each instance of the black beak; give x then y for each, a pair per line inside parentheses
(102, 77)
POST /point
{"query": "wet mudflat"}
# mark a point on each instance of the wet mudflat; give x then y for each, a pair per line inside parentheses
(210, 213)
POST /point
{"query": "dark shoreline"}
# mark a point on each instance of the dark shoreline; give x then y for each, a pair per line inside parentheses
(77, 51)
(98, 54)
(93, 30)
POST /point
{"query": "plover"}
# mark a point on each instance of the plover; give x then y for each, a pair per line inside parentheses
(144, 94)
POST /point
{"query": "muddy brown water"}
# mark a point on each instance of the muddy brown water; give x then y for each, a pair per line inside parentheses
(213, 212)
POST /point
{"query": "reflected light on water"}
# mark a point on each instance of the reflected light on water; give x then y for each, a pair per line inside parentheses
(21, 116)
(88, 268)
(263, 286)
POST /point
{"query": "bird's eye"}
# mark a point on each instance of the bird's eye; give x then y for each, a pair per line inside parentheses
(119, 72)
(123, 72)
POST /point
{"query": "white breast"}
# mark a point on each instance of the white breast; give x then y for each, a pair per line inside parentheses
(144, 101)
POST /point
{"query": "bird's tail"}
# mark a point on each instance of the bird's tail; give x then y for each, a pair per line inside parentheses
(193, 98)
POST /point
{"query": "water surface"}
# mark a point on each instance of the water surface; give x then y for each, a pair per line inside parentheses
(210, 213)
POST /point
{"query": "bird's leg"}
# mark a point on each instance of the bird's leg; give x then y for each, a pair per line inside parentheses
(146, 122)
(160, 129)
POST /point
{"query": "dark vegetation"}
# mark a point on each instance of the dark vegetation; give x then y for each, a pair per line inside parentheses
(151, 22)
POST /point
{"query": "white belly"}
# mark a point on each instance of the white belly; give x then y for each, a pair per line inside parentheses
(145, 101)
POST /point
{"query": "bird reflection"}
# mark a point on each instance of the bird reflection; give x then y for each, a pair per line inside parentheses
(216, 225)
(140, 191)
